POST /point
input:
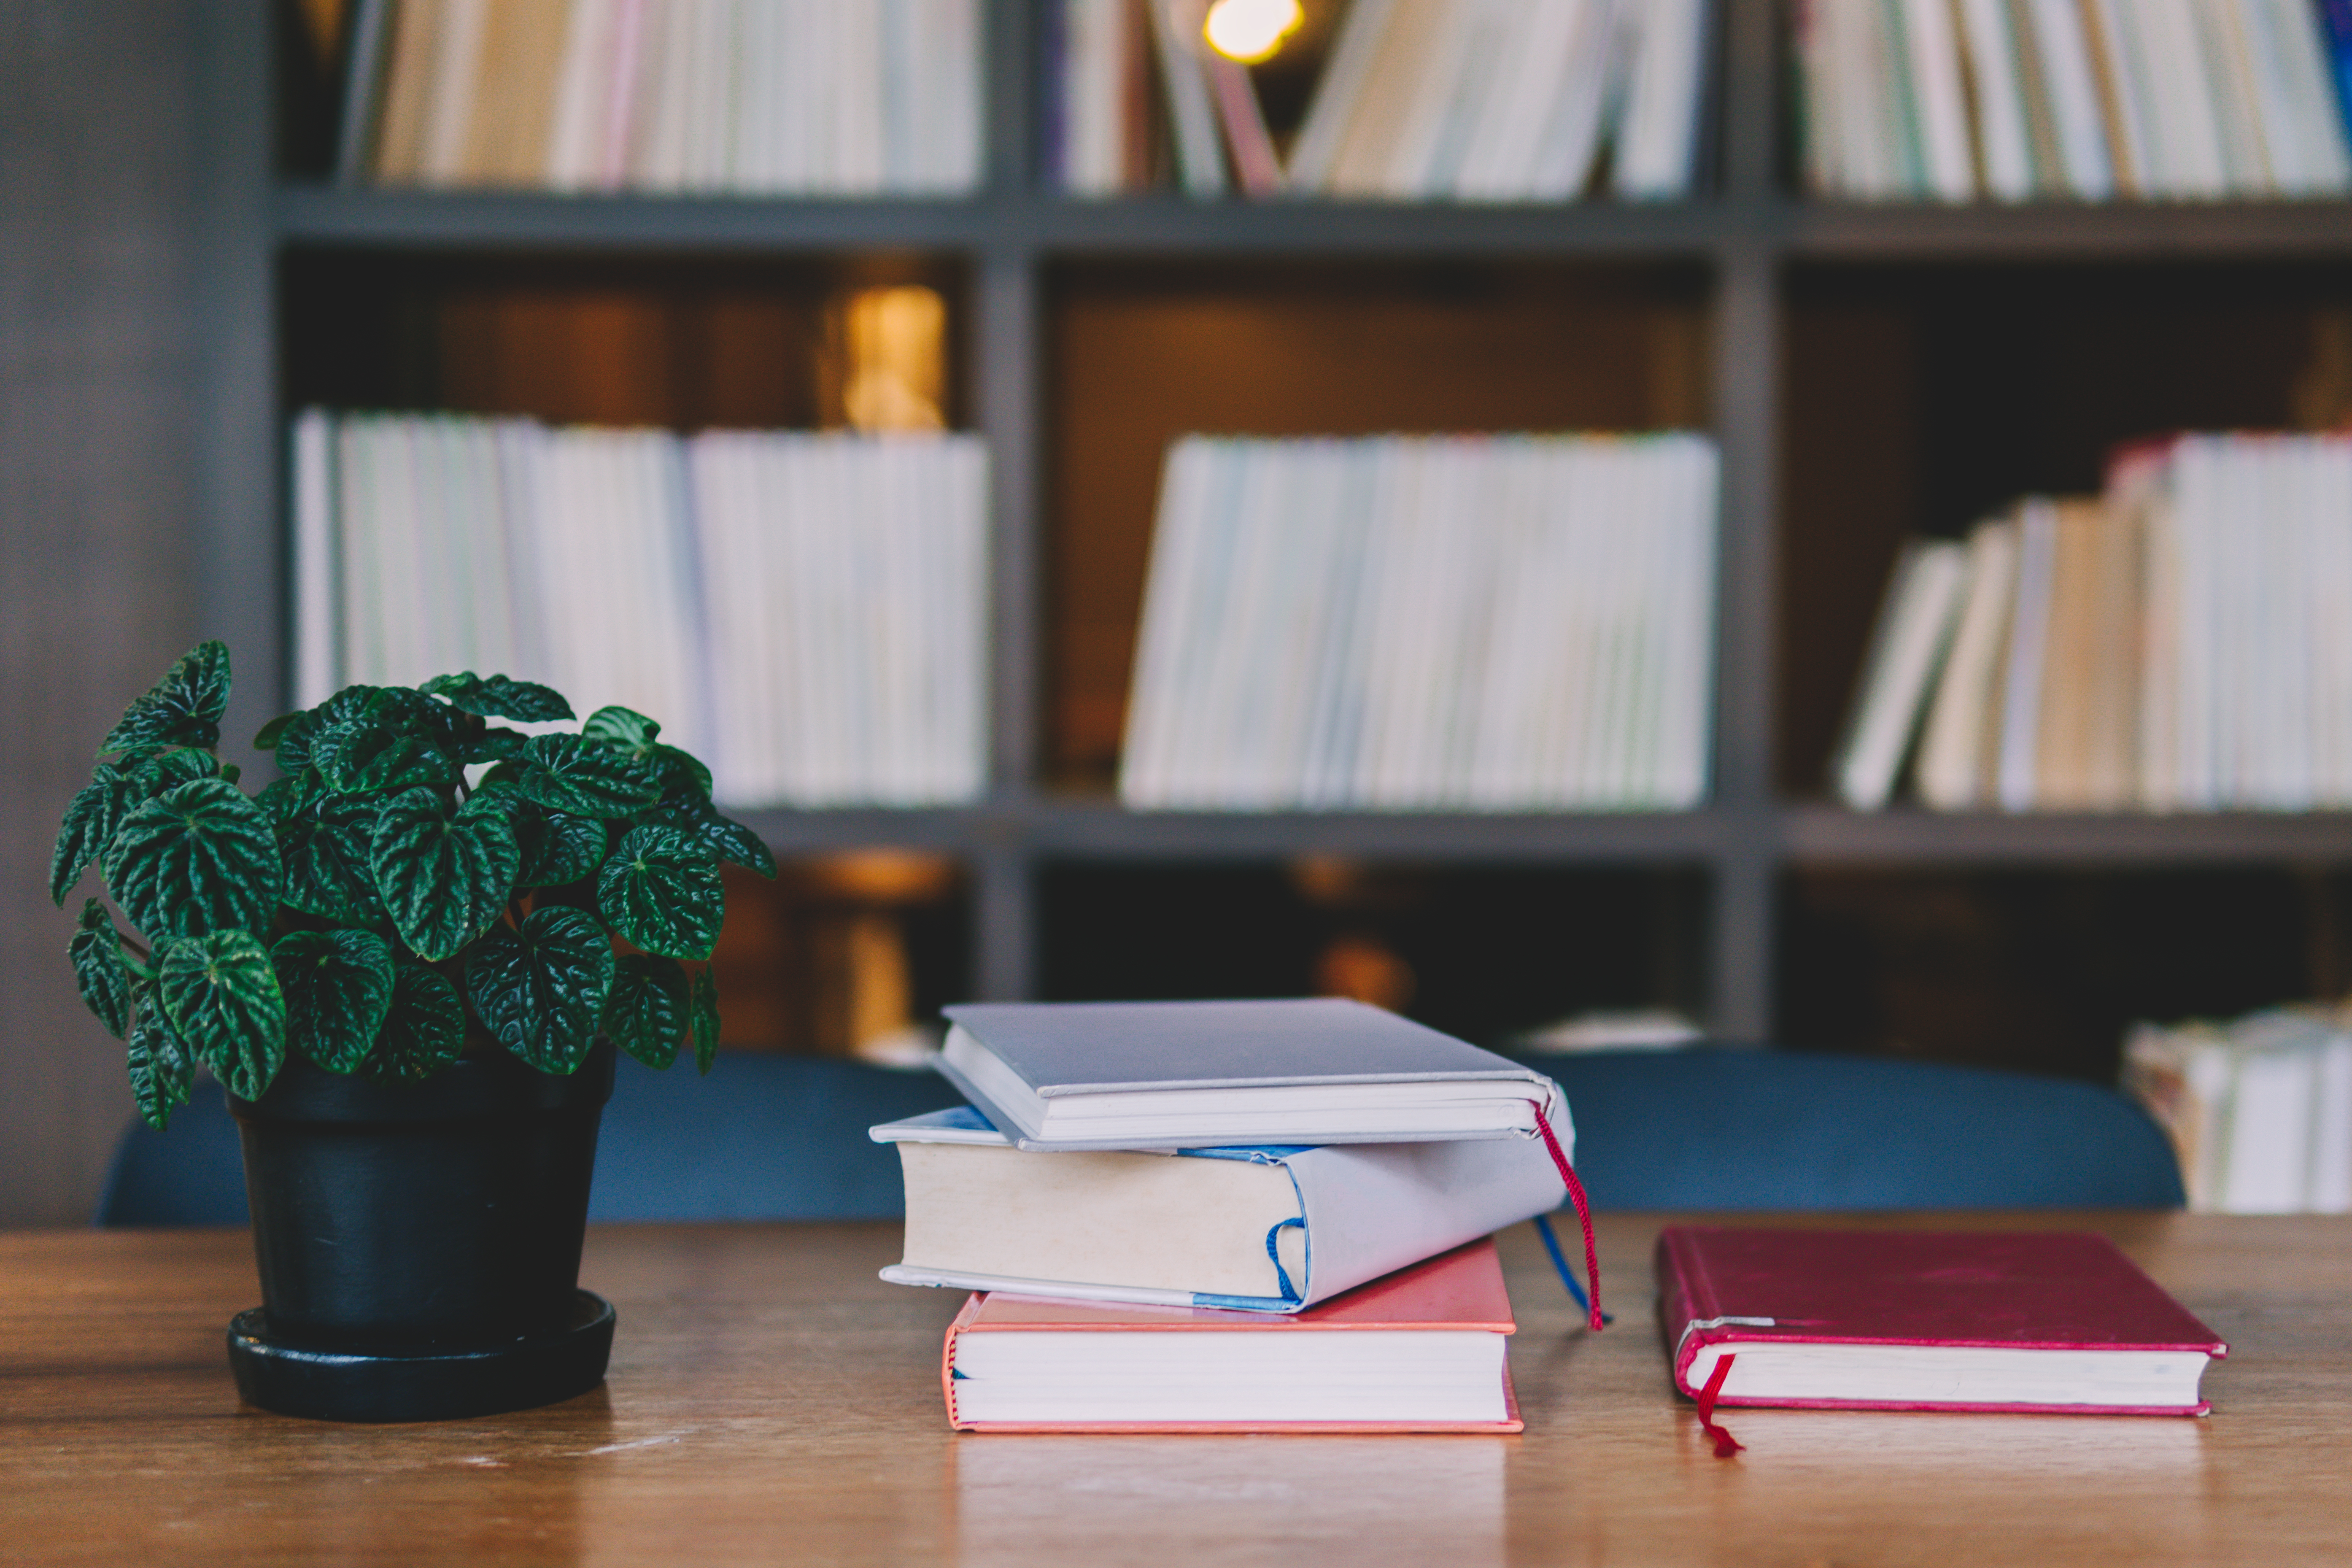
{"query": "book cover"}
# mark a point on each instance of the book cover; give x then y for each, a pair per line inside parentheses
(1263, 1229)
(1176, 1075)
(2037, 1321)
(1244, 1372)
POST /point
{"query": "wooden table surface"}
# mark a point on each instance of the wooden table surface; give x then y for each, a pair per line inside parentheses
(770, 1401)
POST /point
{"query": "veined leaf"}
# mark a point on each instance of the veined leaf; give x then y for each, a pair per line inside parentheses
(200, 858)
(495, 745)
(566, 772)
(645, 1015)
(266, 738)
(443, 877)
(623, 729)
(362, 757)
(702, 1019)
(338, 990)
(221, 996)
(105, 980)
(153, 773)
(720, 838)
(294, 742)
(163, 1068)
(557, 847)
(184, 709)
(92, 819)
(284, 799)
(662, 891)
(499, 698)
(540, 990)
(424, 1030)
(329, 851)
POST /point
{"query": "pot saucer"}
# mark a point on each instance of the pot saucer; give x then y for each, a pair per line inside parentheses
(425, 1385)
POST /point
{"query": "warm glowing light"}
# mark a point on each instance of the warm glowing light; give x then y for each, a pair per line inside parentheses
(1251, 30)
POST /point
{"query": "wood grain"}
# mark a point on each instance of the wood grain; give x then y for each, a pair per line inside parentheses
(770, 1401)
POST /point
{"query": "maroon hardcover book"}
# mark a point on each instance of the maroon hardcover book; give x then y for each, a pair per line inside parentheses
(1903, 1320)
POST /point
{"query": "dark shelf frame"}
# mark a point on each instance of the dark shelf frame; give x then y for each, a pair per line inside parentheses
(1746, 231)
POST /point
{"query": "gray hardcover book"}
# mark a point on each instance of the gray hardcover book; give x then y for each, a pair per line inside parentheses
(1172, 1075)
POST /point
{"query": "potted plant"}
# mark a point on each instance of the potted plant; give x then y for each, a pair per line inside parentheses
(399, 959)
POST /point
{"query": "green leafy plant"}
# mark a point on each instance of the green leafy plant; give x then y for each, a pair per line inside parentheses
(373, 910)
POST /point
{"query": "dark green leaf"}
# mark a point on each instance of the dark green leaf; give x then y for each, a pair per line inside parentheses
(273, 732)
(153, 773)
(162, 1069)
(557, 847)
(351, 703)
(184, 709)
(445, 878)
(542, 989)
(285, 799)
(566, 773)
(201, 859)
(681, 772)
(645, 1015)
(338, 989)
(424, 1030)
(379, 758)
(702, 1019)
(623, 729)
(330, 856)
(221, 996)
(495, 745)
(661, 890)
(499, 698)
(105, 980)
(720, 838)
(92, 819)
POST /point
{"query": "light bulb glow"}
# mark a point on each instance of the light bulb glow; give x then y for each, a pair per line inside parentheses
(1251, 30)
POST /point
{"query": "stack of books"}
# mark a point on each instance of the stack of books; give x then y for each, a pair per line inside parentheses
(2181, 643)
(2259, 1109)
(1485, 623)
(1226, 1216)
(743, 96)
(2018, 101)
(1472, 100)
(806, 611)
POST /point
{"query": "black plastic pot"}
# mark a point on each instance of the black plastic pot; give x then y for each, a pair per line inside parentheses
(419, 1243)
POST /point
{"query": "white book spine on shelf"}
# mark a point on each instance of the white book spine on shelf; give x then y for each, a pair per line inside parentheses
(2025, 671)
(1533, 50)
(2004, 138)
(1339, 93)
(1951, 772)
(1569, 143)
(2294, 71)
(1940, 100)
(1657, 143)
(1192, 113)
(1915, 623)
(583, 96)
(450, 106)
(1093, 97)
(2184, 108)
(2062, 55)
(316, 572)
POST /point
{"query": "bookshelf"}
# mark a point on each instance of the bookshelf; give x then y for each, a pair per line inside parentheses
(1743, 256)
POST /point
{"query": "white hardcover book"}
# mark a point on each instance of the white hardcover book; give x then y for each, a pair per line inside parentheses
(734, 658)
(1570, 142)
(2293, 54)
(1365, 163)
(357, 577)
(1338, 94)
(1523, 599)
(2182, 101)
(315, 573)
(1690, 714)
(1940, 100)
(862, 65)
(529, 601)
(2117, 33)
(1951, 773)
(1872, 91)
(964, 660)
(1259, 1229)
(1503, 123)
(2329, 1186)
(1658, 137)
(1169, 575)
(1813, 26)
(2327, 491)
(2269, 1153)
(1915, 623)
(2198, 776)
(1335, 720)
(2226, 29)
(2025, 671)
(950, 97)
(2003, 136)
(583, 96)
(660, 129)
(1094, 108)
(1192, 114)
(450, 93)
(1581, 525)
(1434, 90)
(2062, 50)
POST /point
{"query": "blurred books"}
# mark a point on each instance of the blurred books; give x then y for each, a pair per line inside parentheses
(2259, 1109)
(1473, 100)
(2017, 100)
(2182, 643)
(1520, 623)
(740, 97)
(805, 612)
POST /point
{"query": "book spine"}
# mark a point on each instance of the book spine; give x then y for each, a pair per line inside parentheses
(1685, 1297)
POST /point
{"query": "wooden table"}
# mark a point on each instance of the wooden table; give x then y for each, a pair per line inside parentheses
(772, 1402)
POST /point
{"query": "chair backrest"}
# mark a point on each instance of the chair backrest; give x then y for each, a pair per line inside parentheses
(764, 1137)
(1728, 1128)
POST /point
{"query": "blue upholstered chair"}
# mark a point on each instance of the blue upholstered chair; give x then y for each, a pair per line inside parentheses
(1790, 1130)
(785, 1138)
(761, 1138)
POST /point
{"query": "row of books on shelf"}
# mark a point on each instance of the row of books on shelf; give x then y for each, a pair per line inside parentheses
(804, 611)
(2182, 642)
(749, 97)
(1454, 623)
(1482, 100)
(2259, 1109)
(2012, 100)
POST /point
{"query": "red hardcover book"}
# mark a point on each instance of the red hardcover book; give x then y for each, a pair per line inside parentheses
(1419, 1351)
(1894, 1321)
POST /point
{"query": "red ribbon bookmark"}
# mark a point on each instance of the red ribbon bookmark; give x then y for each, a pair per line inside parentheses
(1726, 1444)
(1583, 1215)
